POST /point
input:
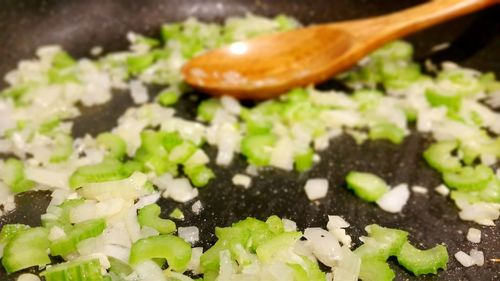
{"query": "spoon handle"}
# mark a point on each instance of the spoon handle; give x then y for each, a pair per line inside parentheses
(401, 23)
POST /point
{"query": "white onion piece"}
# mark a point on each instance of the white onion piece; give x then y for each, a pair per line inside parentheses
(190, 234)
(464, 259)
(138, 91)
(419, 189)
(179, 190)
(149, 271)
(474, 235)
(316, 188)
(197, 207)
(28, 277)
(442, 189)
(395, 199)
(194, 263)
(48, 177)
(336, 222)
(56, 233)
(130, 188)
(324, 245)
(477, 256)
(231, 104)
(282, 154)
(147, 200)
(289, 225)
(242, 180)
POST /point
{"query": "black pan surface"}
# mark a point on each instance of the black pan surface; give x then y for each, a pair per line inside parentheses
(430, 219)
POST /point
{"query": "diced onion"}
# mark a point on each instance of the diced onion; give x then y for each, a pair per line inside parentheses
(191, 234)
(316, 188)
(474, 235)
(242, 180)
(395, 199)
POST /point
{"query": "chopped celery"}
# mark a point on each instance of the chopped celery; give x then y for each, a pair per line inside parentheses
(367, 99)
(257, 148)
(48, 127)
(396, 50)
(171, 140)
(275, 224)
(62, 60)
(26, 249)
(375, 270)
(259, 231)
(13, 175)
(460, 81)
(396, 76)
(57, 76)
(138, 63)
(114, 144)
(171, 31)
(175, 250)
(304, 161)
(366, 186)
(76, 270)
(381, 243)
(63, 149)
(469, 178)
(177, 214)
(229, 238)
(437, 97)
(439, 156)
(207, 109)
(150, 216)
(182, 152)
(199, 175)
(423, 261)
(307, 271)
(81, 231)
(108, 170)
(266, 250)
(168, 97)
(10, 230)
(153, 154)
(387, 131)
(63, 218)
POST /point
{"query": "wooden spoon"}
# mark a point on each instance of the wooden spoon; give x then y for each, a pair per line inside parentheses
(267, 66)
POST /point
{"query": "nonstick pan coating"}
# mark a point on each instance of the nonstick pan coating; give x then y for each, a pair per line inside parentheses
(430, 219)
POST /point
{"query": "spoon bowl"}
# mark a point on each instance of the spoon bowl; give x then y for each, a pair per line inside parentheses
(267, 66)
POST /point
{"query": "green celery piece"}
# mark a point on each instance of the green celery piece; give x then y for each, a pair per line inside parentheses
(304, 161)
(469, 178)
(175, 250)
(136, 64)
(114, 144)
(171, 140)
(396, 50)
(259, 231)
(181, 153)
(153, 154)
(62, 60)
(150, 216)
(489, 82)
(199, 175)
(76, 270)
(382, 243)
(119, 267)
(13, 176)
(423, 261)
(177, 214)
(388, 132)
(284, 23)
(151, 42)
(207, 108)
(26, 249)
(375, 270)
(63, 149)
(257, 148)
(442, 98)
(168, 97)
(489, 194)
(16, 92)
(108, 170)
(267, 249)
(439, 156)
(58, 76)
(275, 224)
(48, 127)
(397, 77)
(171, 31)
(297, 95)
(311, 268)
(10, 230)
(81, 231)
(63, 220)
(464, 83)
(367, 99)
(366, 186)
(228, 237)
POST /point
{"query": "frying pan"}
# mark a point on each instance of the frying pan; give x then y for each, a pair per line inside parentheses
(430, 219)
